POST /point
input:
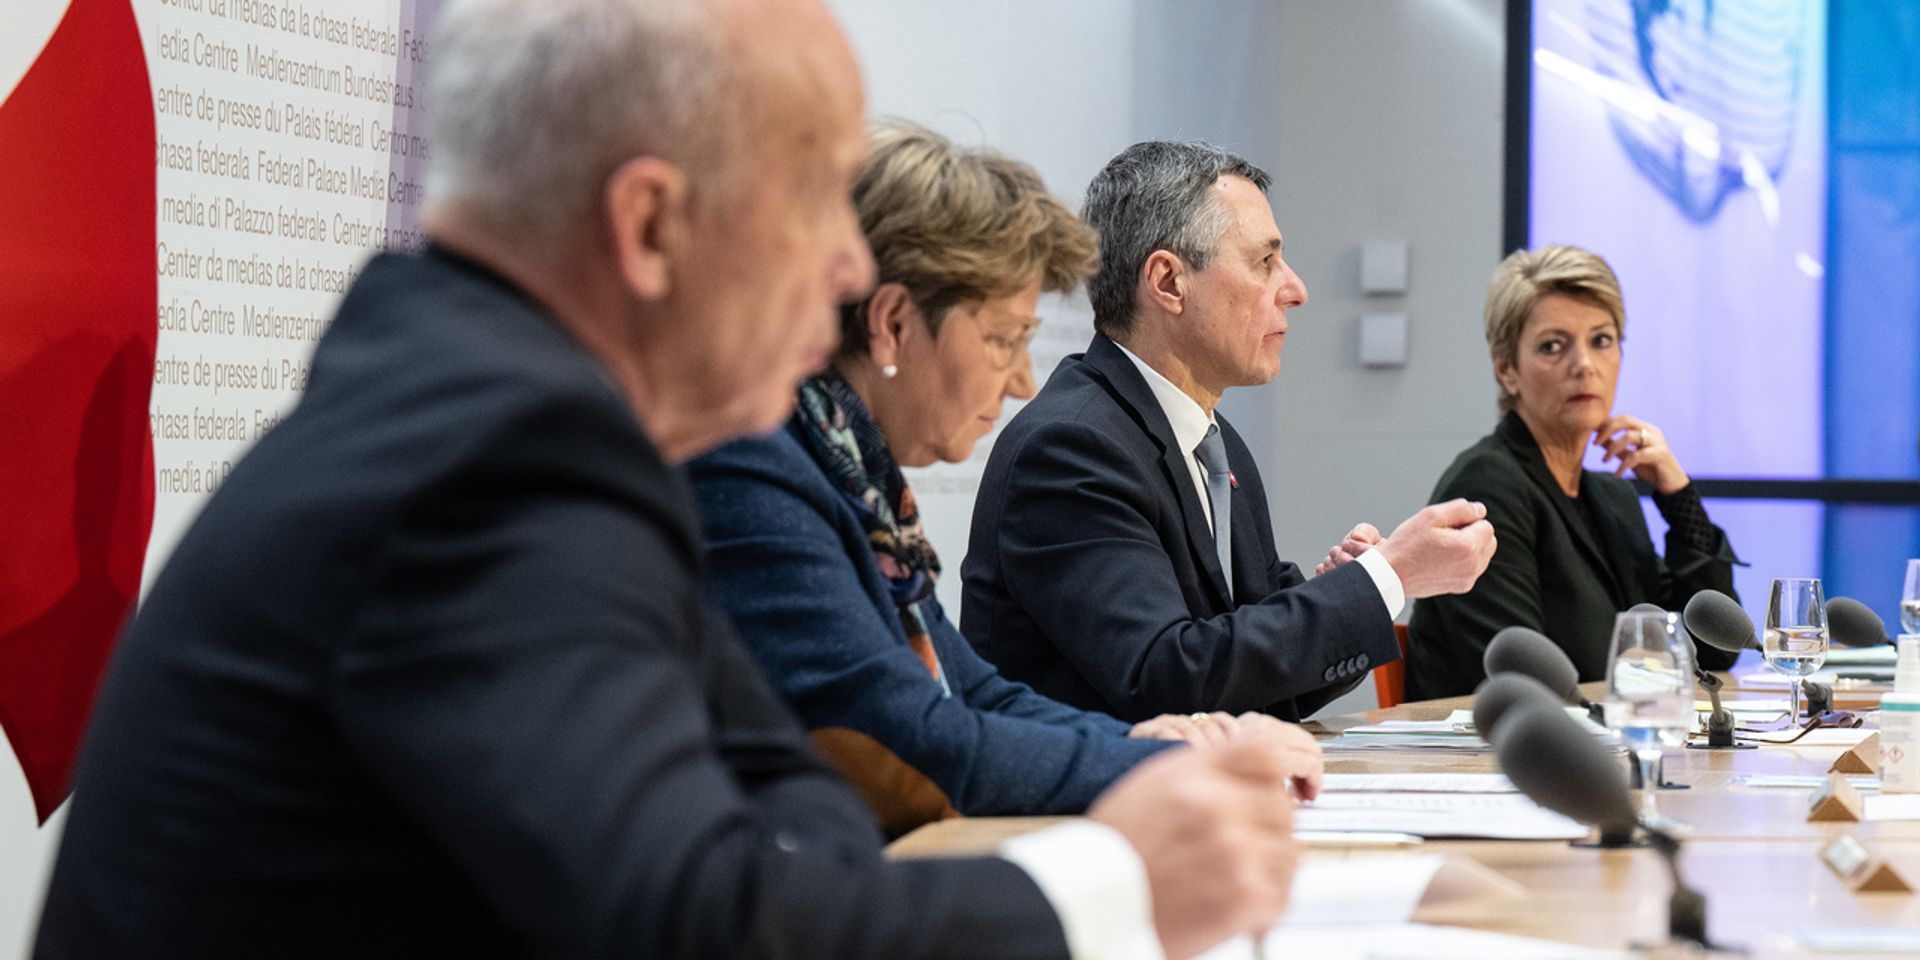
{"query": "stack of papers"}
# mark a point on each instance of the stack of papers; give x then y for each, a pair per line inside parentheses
(1795, 781)
(1893, 806)
(1417, 783)
(1491, 816)
(1412, 941)
(1886, 653)
(1746, 709)
(1455, 732)
(1351, 909)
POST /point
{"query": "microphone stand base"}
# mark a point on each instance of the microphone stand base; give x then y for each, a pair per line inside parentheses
(1609, 843)
(1685, 948)
(1722, 746)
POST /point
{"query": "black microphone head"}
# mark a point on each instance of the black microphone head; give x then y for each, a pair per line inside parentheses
(1501, 693)
(1853, 624)
(1522, 650)
(1716, 620)
(1562, 767)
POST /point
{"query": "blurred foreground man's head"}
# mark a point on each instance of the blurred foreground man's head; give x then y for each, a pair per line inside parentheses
(671, 178)
(434, 671)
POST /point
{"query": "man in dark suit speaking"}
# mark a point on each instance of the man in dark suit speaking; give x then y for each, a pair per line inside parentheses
(433, 673)
(1122, 556)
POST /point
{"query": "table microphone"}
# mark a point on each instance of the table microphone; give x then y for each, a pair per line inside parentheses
(1853, 624)
(1720, 721)
(1552, 760)
(1526, 651)
(1716, 620)
(1564, 768)
(1500, 694)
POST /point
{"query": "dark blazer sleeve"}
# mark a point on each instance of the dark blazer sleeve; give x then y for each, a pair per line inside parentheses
(983, 688)
(1081, 551)
(548, 712)
(1684, 570)
(796, 586)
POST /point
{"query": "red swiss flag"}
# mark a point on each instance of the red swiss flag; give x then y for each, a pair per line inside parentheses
(77, 329)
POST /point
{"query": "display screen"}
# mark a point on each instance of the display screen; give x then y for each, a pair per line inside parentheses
(1686, 142)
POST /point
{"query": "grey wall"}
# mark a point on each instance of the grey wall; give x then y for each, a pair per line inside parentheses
(1388, 125)
(1378, 118)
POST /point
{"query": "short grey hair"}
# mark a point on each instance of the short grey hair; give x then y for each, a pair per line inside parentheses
(1154, 196)
(534, 105)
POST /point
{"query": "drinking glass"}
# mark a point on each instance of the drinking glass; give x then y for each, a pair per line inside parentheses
(1910, 599)
(1795, 639)
(1650, 691)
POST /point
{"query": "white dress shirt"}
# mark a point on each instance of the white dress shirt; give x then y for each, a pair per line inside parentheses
(1096, 884)
(1190, 423)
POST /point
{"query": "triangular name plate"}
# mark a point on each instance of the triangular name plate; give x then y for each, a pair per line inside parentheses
(1837, 801)
(1883, 878)
(1864, 758)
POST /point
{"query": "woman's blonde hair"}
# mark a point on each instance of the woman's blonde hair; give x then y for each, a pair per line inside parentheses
(955, 225)
(1524, 278)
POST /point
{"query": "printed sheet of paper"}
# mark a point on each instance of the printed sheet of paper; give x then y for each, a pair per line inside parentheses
(1507, 816)
(1418, 783)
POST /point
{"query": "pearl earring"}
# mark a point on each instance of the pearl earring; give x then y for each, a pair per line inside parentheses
(889, 371)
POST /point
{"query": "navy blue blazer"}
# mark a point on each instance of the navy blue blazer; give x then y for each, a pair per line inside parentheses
(1092, 573)
(433, 675)
(790, 564)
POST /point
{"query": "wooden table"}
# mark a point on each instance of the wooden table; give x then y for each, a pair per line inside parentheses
(1752, 850)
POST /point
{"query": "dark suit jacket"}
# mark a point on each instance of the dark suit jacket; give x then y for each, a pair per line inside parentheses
(433, 675)
(1092, 574)
(791, 566)
(1549, 572)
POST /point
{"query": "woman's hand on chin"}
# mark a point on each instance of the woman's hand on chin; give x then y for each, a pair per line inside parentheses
(1634, 444)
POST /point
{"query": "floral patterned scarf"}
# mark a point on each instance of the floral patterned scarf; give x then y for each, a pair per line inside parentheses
(848, 445)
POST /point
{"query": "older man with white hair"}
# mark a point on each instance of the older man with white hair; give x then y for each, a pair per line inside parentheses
(433, 674)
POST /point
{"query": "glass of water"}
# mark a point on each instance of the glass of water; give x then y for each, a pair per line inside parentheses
(1910, 599)
(1650, 691)
(1795, 639)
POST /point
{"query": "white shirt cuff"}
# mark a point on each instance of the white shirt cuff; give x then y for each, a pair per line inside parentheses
(1096, 885)
(1386, 581)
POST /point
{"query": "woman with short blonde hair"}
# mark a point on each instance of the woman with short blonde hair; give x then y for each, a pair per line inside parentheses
(1574, 547)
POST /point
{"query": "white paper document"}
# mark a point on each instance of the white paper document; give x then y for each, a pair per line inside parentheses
(1418, 783)
(1885, 653)
(1405, 941)
(1497, 816)
(1454, 742)
(1893, 806)
(1824, 737)
(1802, 781)
(1766, 678)
(1359, 890)
(1443, 728)
(1744, 708)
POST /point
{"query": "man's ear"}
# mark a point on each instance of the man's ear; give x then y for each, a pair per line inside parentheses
(890, 322)
(1163, 281)
(648, 214)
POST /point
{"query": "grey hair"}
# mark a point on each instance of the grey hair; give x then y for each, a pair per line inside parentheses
(534, 105)
(1155, 196)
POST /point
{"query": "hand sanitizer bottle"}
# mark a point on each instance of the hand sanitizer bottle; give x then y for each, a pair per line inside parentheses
(1900, 723)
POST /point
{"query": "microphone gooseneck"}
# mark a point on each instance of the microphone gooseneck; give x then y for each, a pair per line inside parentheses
(1564, 769)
